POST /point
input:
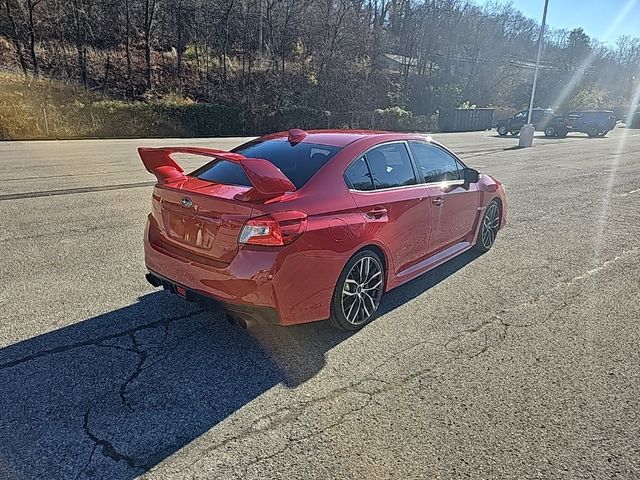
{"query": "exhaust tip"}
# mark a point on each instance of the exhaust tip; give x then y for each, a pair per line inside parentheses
(153, 280)
(243, 323)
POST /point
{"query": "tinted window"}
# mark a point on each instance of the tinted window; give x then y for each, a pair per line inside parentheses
(299, 162)
(435, 164)
(221, 171)
(358, 176)
(390, 166)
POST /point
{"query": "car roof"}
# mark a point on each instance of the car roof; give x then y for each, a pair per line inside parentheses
(340, 138)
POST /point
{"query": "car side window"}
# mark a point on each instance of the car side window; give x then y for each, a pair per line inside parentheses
(390, 166)
(520, 115)
(358, 176)
(435, 164)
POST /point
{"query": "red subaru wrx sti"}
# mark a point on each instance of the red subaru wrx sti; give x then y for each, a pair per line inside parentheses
(302, 226)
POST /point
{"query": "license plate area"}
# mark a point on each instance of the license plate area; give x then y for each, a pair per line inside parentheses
(193, 231)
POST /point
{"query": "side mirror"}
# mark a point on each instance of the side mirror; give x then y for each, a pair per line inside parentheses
(470, 175)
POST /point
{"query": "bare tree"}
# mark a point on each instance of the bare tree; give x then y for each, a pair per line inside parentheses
(150, 7)
(31, 7)
(16, 39)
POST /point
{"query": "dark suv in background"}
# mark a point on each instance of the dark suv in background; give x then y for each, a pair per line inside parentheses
(540, 117)
(595, 123)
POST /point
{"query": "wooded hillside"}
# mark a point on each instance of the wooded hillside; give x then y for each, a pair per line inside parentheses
(339, 60)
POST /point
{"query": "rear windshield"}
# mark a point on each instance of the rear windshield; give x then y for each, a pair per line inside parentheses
(299, 162)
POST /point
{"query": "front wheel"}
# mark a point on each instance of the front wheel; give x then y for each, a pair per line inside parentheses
(502, 130)
(593, 132)
(489, 227)
(358, 292)
(550, 132)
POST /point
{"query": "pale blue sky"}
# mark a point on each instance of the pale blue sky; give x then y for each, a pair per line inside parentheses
(597, 17)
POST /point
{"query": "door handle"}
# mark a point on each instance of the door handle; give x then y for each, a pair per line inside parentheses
(377, 212)
(438, 201)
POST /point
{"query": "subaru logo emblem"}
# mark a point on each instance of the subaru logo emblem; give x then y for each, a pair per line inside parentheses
(187, 203)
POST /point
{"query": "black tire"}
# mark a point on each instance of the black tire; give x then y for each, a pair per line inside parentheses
(489, 227)
(362, 280)
(593, 132)
(515, 132)
(550, 132)
(502, 130)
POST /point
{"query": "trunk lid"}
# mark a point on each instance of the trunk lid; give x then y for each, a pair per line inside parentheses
(201, 218)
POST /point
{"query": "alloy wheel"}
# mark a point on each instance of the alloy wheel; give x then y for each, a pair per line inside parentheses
(490, 225)
(362, 290)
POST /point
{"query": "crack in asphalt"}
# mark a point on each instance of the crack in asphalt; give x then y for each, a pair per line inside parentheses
(320, 431)
(142, 358)
(88, 462)
(108, 450)
(454, 343)
(97, 342)
(288, 415)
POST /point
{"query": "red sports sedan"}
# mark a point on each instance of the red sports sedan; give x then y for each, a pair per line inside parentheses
(301, 226)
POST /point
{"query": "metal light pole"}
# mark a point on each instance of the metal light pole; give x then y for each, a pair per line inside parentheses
(526, 132)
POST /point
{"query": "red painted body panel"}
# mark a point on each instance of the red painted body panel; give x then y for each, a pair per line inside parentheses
(198, 247)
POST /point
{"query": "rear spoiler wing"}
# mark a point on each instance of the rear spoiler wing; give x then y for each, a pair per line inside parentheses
(266, 179)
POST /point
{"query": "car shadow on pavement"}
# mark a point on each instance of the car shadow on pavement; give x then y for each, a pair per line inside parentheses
(114, 395)
(401, 295)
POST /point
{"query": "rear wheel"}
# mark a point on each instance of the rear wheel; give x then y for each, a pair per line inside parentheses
(502, 131)
(358, 291)
(593, 132)
(550, 132)
(489, 228)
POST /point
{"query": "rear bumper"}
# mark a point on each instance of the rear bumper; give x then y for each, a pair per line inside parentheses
(247, 313)
(245, 286)
(288, 286)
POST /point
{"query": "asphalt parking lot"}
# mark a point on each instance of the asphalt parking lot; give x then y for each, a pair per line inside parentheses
(520, 363)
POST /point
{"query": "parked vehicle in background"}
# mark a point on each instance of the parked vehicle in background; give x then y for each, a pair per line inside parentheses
(540, 118)
(300, 226)
(596, 123)
(558, 127)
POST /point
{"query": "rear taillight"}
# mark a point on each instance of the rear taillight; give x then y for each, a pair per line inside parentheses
(279, 228)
